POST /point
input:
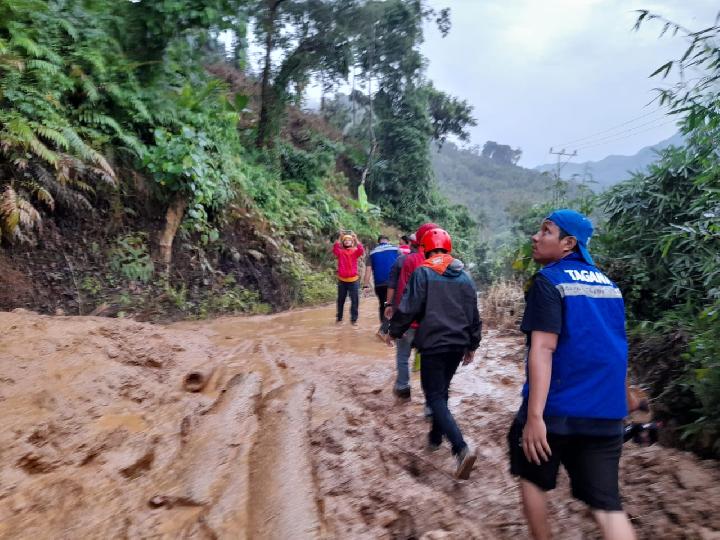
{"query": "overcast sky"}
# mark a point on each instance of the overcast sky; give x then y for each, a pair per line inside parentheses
(542, 73)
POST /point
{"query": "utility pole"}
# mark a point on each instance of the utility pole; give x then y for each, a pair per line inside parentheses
(557, 187)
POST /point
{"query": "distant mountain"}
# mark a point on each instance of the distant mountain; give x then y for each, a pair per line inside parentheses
(614, 169)
(495, 194)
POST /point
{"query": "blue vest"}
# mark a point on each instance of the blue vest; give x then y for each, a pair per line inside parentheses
(381, 260)
(590, 363)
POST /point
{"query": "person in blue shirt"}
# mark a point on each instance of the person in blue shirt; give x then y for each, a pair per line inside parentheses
(381, 261)
(574, 398)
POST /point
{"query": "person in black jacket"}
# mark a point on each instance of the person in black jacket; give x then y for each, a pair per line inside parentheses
(443, 298)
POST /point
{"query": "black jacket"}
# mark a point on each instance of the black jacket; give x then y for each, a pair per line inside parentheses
(446, 307)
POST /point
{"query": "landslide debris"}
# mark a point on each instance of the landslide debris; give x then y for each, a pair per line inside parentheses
(293, 433)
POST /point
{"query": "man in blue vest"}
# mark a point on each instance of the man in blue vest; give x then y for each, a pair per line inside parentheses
(381, 261)
(574, 399)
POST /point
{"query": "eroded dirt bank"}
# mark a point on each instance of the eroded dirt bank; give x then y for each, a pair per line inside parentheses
(295, 435)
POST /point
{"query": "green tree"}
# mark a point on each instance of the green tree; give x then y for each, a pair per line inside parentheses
(663, 241)
(502, 154)
(314, 36)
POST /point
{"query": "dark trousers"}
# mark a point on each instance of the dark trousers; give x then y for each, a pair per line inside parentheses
(345, 288)
(436, 372)
(381, 293)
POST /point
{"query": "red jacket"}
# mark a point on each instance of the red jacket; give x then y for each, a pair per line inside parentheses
(347, 261)
(411, 262)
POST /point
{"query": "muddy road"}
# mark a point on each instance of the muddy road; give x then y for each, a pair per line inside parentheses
(293, 434)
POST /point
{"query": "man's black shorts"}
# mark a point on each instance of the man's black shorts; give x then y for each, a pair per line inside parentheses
(591, 462)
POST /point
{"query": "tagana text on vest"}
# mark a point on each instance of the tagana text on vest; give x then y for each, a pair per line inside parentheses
(590, 362)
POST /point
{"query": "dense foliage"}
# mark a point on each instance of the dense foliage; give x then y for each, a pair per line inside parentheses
(662, 244)
(118, 112)
(658, 237)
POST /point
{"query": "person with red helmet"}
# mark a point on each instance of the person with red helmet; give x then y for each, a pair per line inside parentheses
(396, 287)
(443, 298)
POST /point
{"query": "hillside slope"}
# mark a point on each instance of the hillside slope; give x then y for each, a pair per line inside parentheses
(492, 192)
(613, 169)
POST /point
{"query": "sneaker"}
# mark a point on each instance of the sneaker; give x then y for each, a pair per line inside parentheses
(402, 393)
(465, 461)
(355, 325)
(428, 413)
(339, 322)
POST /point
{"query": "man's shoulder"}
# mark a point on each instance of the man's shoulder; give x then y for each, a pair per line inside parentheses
(384, 248)
(412, 261)
(540, 288)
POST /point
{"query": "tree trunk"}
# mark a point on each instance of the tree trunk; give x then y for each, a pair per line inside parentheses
(173, 218)
(265, 90)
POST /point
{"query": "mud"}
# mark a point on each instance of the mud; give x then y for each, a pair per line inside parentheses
(293, 433)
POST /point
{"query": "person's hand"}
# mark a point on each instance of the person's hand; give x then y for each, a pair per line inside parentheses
(468, 357)
(388, 312)
(366, 291)
(389, 341)
(534, 441)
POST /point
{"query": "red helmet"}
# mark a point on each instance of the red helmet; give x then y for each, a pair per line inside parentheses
(436, 239)
(423, 229)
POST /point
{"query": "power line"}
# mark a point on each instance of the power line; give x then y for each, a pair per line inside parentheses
(626, 131)
(614, 128)
(612, 140)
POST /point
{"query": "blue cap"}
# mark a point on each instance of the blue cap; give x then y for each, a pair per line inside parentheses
(577, 225)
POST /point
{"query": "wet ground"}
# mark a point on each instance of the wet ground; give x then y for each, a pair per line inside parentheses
(294, 434)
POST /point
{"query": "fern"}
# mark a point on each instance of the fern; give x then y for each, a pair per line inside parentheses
(28, 45)
(47, 68)
(53, 135)
(15, 212)
(44, 196)
(64, 186)
(19, 133)
(88, 153)
(69, 28)
(39, 192)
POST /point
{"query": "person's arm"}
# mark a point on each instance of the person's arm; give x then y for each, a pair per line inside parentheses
(359, 247)
(475, 335)
(392, 286)
(542, 321)
(368, 275)
(534, 439)
(389, 303)
(337, 248)
(412, 305)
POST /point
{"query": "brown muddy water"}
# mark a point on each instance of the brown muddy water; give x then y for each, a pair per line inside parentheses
(290, 432)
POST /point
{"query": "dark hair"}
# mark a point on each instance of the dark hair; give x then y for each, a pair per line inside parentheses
(429, 254)
(383, 237)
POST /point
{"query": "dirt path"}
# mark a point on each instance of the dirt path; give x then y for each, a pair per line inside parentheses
(296, 435)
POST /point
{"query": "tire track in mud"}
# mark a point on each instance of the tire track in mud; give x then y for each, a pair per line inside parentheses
(281, 482)
(211, 467)
(296, 436)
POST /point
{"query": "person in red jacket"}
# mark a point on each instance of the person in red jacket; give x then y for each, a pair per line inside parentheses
(410, 262)
(347, 251)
